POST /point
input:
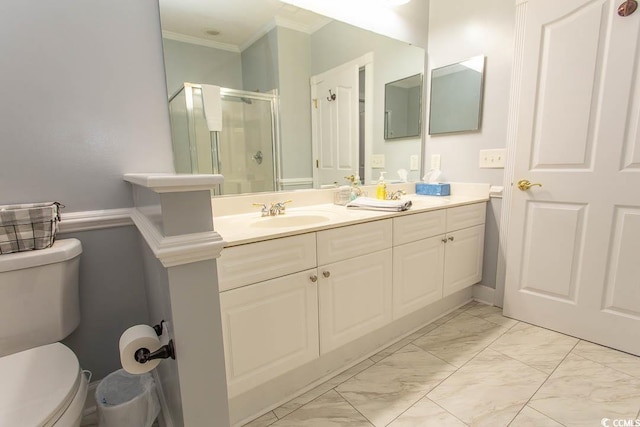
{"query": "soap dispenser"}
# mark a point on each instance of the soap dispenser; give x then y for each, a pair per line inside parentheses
(381, 189)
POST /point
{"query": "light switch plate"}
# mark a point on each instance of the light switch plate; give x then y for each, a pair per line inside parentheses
(414, 162)
(377, 161)
(494, 158)
(435, 162)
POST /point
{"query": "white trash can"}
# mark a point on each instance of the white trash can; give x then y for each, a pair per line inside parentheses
(126, 400)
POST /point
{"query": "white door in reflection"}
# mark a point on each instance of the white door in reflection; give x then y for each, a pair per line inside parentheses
(335, 124)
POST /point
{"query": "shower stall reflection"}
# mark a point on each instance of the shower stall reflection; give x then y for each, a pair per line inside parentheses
(245, 151)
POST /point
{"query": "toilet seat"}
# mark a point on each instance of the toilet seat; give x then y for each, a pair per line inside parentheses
(38, 385)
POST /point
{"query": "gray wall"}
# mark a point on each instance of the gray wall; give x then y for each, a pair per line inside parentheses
(260, 64)
(84, 101)
(457, 31)
(294, 58)
(112, 296)
(159, 303)
(186, 62)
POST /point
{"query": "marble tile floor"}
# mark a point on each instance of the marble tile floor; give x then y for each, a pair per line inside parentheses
(474, 367)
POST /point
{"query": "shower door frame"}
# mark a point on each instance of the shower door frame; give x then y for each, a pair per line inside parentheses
(272, 97)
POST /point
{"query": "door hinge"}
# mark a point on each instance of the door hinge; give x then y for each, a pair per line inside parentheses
(315, 103)
(317, 163)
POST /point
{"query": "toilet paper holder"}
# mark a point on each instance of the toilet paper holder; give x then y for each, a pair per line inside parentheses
(144, 355)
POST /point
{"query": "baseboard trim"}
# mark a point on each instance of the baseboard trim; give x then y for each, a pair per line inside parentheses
(484, 294)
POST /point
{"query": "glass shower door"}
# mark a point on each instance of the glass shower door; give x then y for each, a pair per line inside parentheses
(245, 149)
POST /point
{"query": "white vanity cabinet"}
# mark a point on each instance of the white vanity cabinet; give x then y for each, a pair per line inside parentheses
(436, 254)
(290, 300)
(354, 292)
(271, 326)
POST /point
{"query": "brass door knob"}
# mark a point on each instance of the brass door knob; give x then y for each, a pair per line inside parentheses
(524, 184)
(326, 273)
(313, 278)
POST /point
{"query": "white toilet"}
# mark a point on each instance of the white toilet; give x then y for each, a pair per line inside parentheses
(41, 383)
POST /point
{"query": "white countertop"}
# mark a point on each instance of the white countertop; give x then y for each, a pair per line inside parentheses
(251, 227)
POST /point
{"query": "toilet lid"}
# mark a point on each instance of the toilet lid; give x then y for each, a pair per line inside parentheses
(37, 385)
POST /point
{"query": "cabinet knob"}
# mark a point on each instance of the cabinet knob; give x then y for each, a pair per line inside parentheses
(451, 238)
(326, 273)
(313, 278)
(444, 240)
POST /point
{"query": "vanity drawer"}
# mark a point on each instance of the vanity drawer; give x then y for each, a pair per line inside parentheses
(255, 262)
(411, 228)
(466, 216)
(347, 242)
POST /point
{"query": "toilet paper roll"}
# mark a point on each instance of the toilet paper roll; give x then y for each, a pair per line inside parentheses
(133, 339)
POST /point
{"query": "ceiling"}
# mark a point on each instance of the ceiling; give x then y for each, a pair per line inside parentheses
(240, 22)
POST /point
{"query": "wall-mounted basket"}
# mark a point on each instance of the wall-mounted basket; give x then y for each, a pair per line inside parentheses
(29, 226)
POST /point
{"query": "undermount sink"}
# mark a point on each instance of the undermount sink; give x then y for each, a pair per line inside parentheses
(288, 220)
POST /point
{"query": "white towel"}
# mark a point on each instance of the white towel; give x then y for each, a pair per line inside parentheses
(212, 107)
(380, 205)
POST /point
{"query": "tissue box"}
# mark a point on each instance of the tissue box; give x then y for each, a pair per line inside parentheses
(433, 189)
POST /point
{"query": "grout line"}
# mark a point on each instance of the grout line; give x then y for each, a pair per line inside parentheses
(602, 364)
(444, 409)
(535, 410)
(543, 383)
(354, 408)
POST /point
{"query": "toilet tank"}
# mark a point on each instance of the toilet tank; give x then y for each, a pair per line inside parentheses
(39, 296)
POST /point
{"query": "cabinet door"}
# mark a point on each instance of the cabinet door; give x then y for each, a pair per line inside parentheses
(463, 259)
(355, 298)
(269, 328)
(418, 272)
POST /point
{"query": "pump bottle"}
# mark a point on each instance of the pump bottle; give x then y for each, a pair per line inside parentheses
(381, 188)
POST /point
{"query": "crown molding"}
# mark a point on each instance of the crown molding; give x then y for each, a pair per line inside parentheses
(201, 42)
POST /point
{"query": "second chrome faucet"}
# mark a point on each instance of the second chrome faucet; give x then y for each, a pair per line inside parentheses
(274, 209)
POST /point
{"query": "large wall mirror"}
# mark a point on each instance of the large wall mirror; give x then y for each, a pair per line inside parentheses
(286, 76)
(456, 97)
(402, 108)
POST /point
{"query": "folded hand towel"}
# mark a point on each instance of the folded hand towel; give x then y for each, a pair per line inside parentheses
(212, 107)
(380, 205)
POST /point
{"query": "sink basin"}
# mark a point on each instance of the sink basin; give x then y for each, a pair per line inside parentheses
(287, 220)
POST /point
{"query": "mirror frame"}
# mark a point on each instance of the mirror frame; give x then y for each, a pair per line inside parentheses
(480, 101)
(420, 110)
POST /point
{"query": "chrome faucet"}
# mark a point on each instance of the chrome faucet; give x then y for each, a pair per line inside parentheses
(274, 209)
(396, 195)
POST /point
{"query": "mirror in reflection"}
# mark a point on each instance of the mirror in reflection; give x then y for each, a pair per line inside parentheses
(456, 97)
(314, 139)
(402, 112)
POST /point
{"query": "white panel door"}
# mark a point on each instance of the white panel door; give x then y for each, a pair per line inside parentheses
(573, 245)
(335, 124)
(354, 298)
(418, 271)
(269, 328)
